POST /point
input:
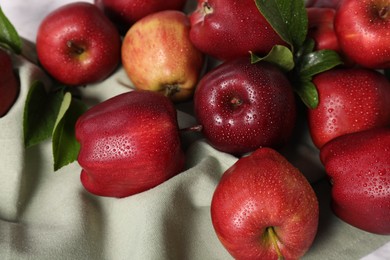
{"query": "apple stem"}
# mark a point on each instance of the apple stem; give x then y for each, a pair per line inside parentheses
(384, 12)
(170, 90)
(195, 128)
(274, 240)
(207, 9)
(75, 48)
(236, 101)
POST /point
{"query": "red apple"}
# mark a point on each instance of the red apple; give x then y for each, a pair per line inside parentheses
(124, 13)
(230, 29)
(359, 167)
(362, 28)
(264, 208)
(350, 100)
(158, 55)
(9, 84)
(321, 28)
(324, 3)
(242, 106)
(77, 44)
(129, 144)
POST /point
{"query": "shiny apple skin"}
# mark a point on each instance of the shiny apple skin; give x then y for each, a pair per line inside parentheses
(259, 191)
(324, 3)
(129, 144)
(362, 28)
(158, 55)
(9, 83)
(242, 106)
(350, 100)
(124, 13)
(358, 166)
(321, 28)
(231, 29)
(78, 45)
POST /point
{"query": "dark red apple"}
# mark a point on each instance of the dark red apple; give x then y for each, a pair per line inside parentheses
(362, 28)
(350, 100)
(124, 13)
(264, 208)
(324, 3)
(242, 106)
(230, 29)
(9, 84)
(358, 165)
(321, 28)
(78, 45)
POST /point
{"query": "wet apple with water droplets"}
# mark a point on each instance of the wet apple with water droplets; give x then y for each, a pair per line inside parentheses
(230, 29)
(264, 208)
(362, 28)
(358, 165)
(128, 144)
(242, 106)
(350, 100)
(77, 44)
(124, 13)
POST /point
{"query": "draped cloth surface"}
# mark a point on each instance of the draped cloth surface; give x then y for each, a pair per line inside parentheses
(48, 215)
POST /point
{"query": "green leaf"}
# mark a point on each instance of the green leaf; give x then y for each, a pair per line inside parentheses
(308, 93)
(279, 55)
(67, 99)
(288, 18)
(40, 113)
(9, 38)
(64, 144)
(316, 62)
(306, 48)
(308, 64)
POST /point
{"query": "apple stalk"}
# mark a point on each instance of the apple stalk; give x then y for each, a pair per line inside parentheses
(194, 128)
(171, 89)
(207, 9)
(274, 239)
(75, 49)
(384, 12)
